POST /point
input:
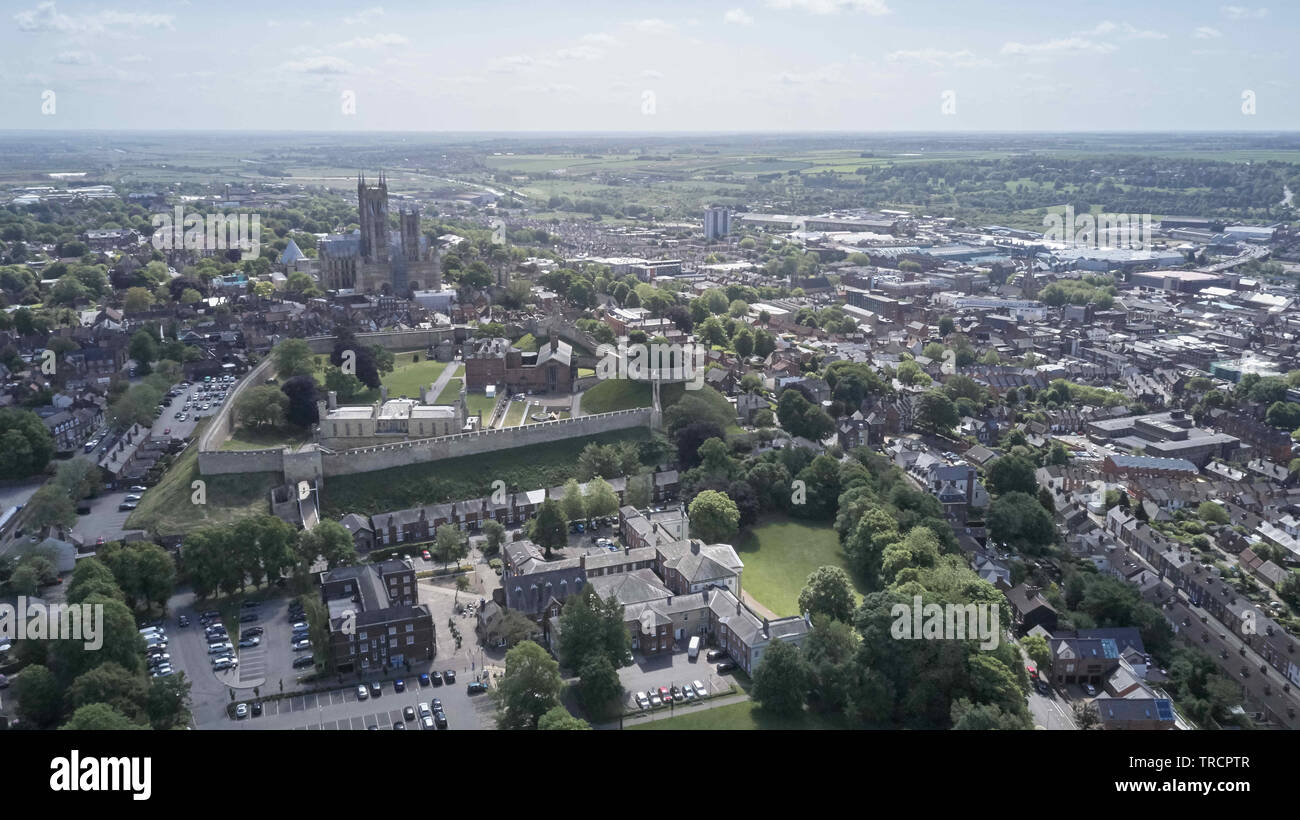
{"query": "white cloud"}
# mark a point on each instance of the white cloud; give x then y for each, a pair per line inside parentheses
(368, 15)
(319, 65)
(135, 58)
(653, 26)
(1243, 13)
(580, 54)
(937, 57)
(75, 58)
(651, 74)
(46, 17)
(1068, 45)
(827, 74)
(600, 39)
(872, 7)
(738, 17)
(1206, 33)
(376, 41)
(512, 64)
(1123, 29)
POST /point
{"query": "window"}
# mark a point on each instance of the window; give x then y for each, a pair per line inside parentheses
(364, 636)
(410, 641)
(392, 630)
(410, 627)
(392, 642)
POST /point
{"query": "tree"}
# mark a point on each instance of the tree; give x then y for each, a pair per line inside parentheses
(782, 679)
(329, 540)
(530, 687)
(112, 685)
(167, 705)
(26, 445)
(1285, 415)
(39, 696)
(1020, 521)
(713, 517)
(1011, 474)
(601, 499)
(599, 685)
(936, 412)
(559, 719)
(573, 503)
(50, 506)
(1038, 651)
(343, 384)
(592, 627)
(262, 406)
(1213, 513)
(449, 544)
(78, 478)
(144, 349)
(829, 650)
(828, 594)
(549, 530)
(99, 717)
(293, 358)
(301, 393)
(495, 532)
(137, 300)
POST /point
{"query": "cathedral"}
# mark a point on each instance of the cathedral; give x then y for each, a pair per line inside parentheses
(376, 258)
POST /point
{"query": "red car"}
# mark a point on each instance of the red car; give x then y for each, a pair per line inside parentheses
(665, 694)
(426, 556)
(167, 432)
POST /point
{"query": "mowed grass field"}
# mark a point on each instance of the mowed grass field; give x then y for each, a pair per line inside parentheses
(169, 509)
(407, 378)
(780, 554)
(744, 716)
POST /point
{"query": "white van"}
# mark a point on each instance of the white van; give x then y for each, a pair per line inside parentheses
(693, 651)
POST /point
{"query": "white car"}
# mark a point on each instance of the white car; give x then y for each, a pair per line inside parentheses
(241, 711)
(224, 662)
(642, 702)
(700, 691)
(218, 648)
(301, 645)
(362, 692)
(427, 722)
(1090, 689)
(132, 497)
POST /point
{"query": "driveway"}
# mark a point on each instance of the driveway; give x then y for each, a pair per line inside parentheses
(104, 518)
(670, 669)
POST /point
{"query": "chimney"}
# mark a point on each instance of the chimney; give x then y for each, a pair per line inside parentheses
(767, 632)
(627, 550)
(582, 562)
(695, 546)
(738, 606)
(670, 600)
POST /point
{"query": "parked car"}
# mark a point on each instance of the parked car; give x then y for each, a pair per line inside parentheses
(241, 711)
(376, 689)
(427, 722)
(655, 700)
(715, 655)
(303, 661)
(449, 676)
(700, 691)
(424, 679)
(248, 617)
(688, 692)
(250, 640)
(399, 685)
(254, 630)
(1090, 689)
(642, 702)
(665, 695)
(726, 666)
(424, 710)
(126, 506)
(408, 713)
(435, 678)
(362, 692)
(219, 664)
(257, 708)
(440, 719)
(476, 687)
(299, 646)
(426, 555)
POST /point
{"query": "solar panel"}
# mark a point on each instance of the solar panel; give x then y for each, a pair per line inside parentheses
(1164, 710)
(1109, 648)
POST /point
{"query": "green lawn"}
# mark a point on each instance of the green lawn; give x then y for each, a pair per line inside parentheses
(780, 554)
(246, 439)
(407, 378)
(169, 509)
(743, 716)
(480, 403)
(515, 415)
(451, 393)
(615, 394)
(527, 343)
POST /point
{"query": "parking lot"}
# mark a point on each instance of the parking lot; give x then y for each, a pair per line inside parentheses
(343, 709)
(669, 670)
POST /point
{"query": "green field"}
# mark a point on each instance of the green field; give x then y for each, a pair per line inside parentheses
(743, 716)
(480, 403)
(451, 393)
(168, 508)
(515, 415)
(780, 554)
(615, 394)
(407, 378)
(246, 439)
(527, 468)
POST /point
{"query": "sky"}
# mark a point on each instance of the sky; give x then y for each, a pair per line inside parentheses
(666, 66)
